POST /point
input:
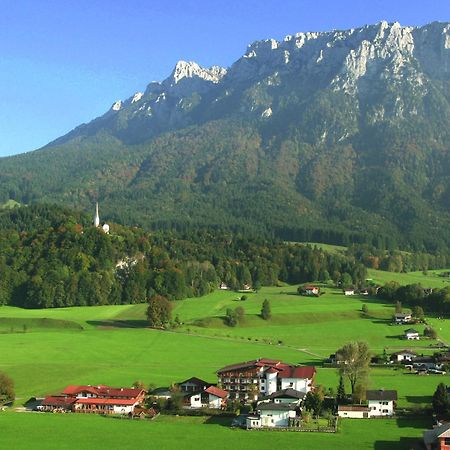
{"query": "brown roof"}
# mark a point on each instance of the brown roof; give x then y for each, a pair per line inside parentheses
(381, 395)
(261, 362)
(104, 391)
(57, 401)
(106, 401)
(306, 372)
(353, 408)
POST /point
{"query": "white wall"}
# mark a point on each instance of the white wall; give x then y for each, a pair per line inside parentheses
(275, 418)
(352, 414)
(299, 384)
(377, 408)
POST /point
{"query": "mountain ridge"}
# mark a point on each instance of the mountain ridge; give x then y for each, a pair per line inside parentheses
(342, 130)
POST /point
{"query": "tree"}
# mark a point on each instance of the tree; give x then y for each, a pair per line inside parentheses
(398, 307)
(159, 311)
(7, 393)
(341, 396)
(266, 313)
(230, 317)
(418, 313)
(365, 309)
(313, 402)
(240, 313)
(441, 400)
(354, 359)
(430, 333)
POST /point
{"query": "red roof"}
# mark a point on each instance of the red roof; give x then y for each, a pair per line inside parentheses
(104, 391)
(106, 401)
(262, 362)
(298, 372)
(213, 390)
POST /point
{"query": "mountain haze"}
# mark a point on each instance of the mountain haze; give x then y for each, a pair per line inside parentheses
(346, 132)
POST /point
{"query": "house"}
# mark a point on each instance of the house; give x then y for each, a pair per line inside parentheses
(56, 403)
(363, 291)
(143, 413)
(193, 384)
(403, 356)
(381, 403)
(246, 287)
(264, 376)
(438, 438)
(98, 405)
(162, 393)
(349, 291)
(411, 334)
(288, 395)
(223, 286)
(275, 414)
(95, 399)
(309, 290)
(353, 411)
(211, 397)
(253, 421)
(400, 318)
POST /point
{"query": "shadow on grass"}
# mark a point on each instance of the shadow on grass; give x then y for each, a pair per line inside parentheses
(419, 399)
(119, 323)
(406, 443)
(217, 420)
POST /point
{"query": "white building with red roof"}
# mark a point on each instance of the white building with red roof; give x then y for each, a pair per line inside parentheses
(265, 376)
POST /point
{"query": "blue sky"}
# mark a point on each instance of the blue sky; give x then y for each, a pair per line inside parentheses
(64, 62)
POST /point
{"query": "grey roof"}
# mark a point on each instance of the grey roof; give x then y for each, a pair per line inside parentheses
(431, 436)
(381, 395)
(275, 407)
(286, 393)
(411, 330)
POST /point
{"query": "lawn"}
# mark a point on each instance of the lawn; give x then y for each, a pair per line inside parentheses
(431, 279)
(45, 350)
(71, 431)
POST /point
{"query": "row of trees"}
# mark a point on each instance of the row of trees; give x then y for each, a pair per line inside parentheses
(414, 296)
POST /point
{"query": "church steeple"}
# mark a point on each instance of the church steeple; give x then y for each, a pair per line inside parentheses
(97, 217)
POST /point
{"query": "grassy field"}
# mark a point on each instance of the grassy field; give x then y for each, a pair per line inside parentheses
(53, 431)
(431, 279)
(45, 350)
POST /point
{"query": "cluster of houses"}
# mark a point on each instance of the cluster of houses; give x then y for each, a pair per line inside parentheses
(278, 390)
(421, 364)
(98, 400)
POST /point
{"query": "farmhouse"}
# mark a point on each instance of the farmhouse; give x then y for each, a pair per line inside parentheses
(401, 318)
(353, 411)
(309, 290)
(438, 438)
(193, 384)
(223, 286)
(264, 376)
(381, 402)
(411, 334)
(349, 291)
(95, 399)
(403, 355)
(211, 397)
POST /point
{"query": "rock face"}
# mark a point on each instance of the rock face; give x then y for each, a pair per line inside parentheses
(347, 127)
(357, 62)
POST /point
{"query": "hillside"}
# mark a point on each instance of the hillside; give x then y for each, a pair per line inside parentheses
(337, 137)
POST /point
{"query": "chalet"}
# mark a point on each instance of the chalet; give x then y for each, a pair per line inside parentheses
(311, 291)
(381, 403)
(193, 384)
(264, 376)
(272, 415)
(246, 287)
(95, 399)
(349, 291)
(143, 413)
(403, 356)
(438, 438)
(105, 405)
(211, 397)
(353, 411)
(401, 318)
(223, 286)
(289, 395)
(411, 334)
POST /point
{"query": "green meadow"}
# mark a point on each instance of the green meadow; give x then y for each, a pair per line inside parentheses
(55, 431)
(45, 350)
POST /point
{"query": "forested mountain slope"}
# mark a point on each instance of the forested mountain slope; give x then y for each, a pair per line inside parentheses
(335, 136)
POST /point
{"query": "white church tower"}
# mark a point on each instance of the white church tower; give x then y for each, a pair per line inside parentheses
(97, 217)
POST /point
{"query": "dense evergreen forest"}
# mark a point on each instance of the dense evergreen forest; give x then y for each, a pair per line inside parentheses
(53, 257)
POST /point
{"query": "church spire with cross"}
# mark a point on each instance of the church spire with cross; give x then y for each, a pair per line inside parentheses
(97, 217)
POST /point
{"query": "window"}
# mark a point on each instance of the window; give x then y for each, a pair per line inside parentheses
(385, 411)
(446, 441)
